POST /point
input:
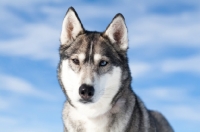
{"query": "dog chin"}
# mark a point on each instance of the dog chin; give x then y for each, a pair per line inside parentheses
(91, 109)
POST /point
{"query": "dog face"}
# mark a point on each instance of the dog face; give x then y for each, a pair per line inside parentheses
(92, 63)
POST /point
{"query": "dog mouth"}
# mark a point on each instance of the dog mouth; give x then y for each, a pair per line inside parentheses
(85, 101)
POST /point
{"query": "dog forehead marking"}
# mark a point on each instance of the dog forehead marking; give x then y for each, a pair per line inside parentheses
(97, 57)
(90, 52)
(91, 46)
(88, 81)
(81, 56)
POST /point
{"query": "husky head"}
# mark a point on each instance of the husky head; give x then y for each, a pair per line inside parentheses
(93, 68)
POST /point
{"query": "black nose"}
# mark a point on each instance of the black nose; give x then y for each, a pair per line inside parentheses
(86, 91)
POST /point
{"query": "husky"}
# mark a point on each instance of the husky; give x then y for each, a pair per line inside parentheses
(95, 77)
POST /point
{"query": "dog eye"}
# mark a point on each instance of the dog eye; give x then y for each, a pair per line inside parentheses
(103, 63)
(75, 61)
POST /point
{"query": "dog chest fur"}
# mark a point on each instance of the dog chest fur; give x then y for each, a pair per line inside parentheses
(112, 121)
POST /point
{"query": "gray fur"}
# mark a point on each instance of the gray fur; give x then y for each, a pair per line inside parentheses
(131, 112)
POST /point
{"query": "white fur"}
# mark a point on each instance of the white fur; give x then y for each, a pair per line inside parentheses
(71, 81)
(118, 25)
(106, 86)
(98, 124)
(88, 81)
(97, 57)
(70, 19)
(87, 75)
(92, 115)
(81, 57)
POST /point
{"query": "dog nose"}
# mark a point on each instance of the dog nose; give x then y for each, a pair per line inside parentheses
(86, 91)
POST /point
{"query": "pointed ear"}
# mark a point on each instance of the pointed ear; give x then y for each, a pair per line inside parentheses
(117, 32)
(71, 27)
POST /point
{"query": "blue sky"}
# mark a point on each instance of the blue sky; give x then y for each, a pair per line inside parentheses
(164, 55)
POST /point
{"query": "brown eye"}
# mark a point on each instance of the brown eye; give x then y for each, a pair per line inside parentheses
(75, 61)
(103, 63)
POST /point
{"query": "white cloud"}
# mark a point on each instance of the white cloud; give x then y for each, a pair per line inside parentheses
(38, 42)
(4, 105)
(186, 112)
(189, 64)
(21, 125)
(20, 86)
(34, 40)
(20, 2)
(20, 102)
(163, 94)
(175, 103)
(15, 85)
(139, 69)
(7, 120)
(165, 31)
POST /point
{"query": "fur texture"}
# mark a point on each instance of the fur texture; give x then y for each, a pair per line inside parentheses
(99, 61)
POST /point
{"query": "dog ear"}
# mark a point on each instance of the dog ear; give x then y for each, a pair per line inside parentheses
(117, 32)
(71, 27)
